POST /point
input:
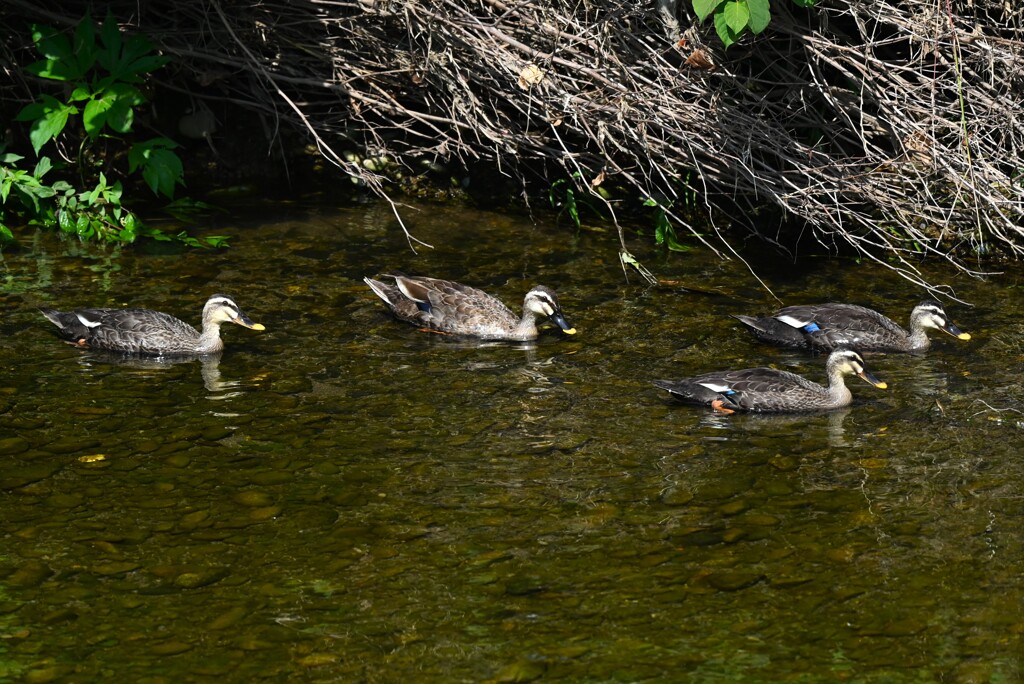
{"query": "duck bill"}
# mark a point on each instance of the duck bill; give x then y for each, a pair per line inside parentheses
(871, 379)
(247, 322)
(560, 321)
(956, 332)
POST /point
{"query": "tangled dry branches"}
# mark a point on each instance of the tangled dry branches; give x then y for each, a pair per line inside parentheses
(890, 127)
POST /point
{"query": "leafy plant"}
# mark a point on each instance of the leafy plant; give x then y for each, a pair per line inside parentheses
(734, 17)
(563, 197)
(104, 72)
(91, 214)
(664, 231)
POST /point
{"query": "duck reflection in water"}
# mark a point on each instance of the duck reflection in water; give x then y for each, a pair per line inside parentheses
(151, 366)
(789, 428)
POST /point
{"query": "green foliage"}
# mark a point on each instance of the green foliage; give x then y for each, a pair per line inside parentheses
(734, 17)
(103, 71)
(161, 168)
(564, 201)
(563, 197)
(664, 231)
(92, 214)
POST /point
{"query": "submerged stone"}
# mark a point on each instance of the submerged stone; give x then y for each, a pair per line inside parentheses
(253, 498)
(13, 445)
(169, 648)
(733, 581)
(200, 578)
(521, 671)
(29, 574)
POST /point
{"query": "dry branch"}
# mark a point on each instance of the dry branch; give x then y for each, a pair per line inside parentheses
(890, 127)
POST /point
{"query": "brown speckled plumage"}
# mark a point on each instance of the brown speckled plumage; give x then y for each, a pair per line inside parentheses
(457, 309)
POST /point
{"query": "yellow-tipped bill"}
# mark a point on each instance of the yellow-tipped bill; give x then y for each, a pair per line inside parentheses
(247, 322)
(872, 380)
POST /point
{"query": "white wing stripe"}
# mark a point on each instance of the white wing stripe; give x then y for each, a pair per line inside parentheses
(789, 320)
(86, 322)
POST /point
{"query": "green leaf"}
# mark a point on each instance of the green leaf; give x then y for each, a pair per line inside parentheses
(42, 167)
(110, 36)
(727, 35)
(27, 197)
(737, 15)
(83, 226)
(50, 117)
(121, 116)
(62, 62)
(705, 7)
(85, 44)
(161, 168)
(51, 43)
(66, 222)
(123, 98)
(157, 234)
(5, 234)
(44, 192)
(131, 222)
(217, 240)
(31, 112)
(760, 15)
(137, 59)
(94, 118)
(81, 92)
(113, 194)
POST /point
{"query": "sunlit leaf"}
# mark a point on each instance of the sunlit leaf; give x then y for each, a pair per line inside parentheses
(50, 116)
(83, 226)
(760, 15)
(42, 167)
(725, 34)
(705, 7)
(94, 118)
(65, 221)
(737, 15)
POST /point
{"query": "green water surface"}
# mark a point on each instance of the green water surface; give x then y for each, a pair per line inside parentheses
(343, 498)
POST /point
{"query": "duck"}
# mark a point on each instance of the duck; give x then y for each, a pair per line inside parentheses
(773, 390)
(824, 327)
(148, 332)
(448, 307)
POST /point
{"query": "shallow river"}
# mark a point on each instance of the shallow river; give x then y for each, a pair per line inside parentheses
(345, 498)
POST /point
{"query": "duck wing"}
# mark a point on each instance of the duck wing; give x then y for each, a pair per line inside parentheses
(749, 389)
(453, 307)
(836, 325)
(141, 331)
